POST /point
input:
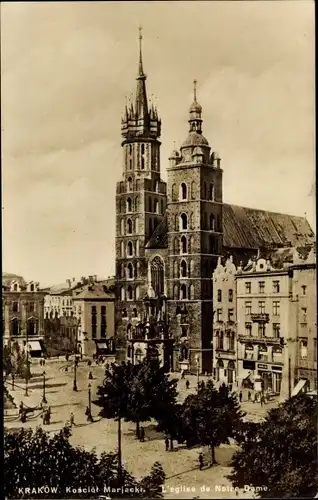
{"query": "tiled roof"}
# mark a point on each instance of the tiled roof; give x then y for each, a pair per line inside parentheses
(253, 228)
(250, 228)
(93, 292)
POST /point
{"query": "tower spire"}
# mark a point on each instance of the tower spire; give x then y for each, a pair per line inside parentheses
(195, 90)
(141, 71)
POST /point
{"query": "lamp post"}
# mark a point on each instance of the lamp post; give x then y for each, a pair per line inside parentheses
(75, 360)
(89, 416)
(197, 358)
(43, 397)
(27, 366)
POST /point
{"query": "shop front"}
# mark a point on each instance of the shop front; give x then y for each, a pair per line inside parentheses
(271, 377)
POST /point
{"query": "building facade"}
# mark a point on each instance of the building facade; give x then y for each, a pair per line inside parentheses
(169, 238)
(276, 322)
(23, 314)
(224, 323)
(95, 315)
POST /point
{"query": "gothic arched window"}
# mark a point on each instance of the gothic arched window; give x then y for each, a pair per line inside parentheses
(184, 245)
(136, 204)
(129, 249)
(122, 227)
(137, 248)
(191, 268)
(212, 245)
(211, 192)
(176, 292)
(129, 226)
(137, 292)
(176, 223)
(137, 225)
(130, 271)
(176, 245)
(193, 190)
(129, 183)
(122, 249)
(157, 275)
(31, 327)
(156, 207)
(174, 192)
(183, 191)
(129, 205)
(204, 190)
(184, 221)
(175, 269)
(191, 292)
(183, 269)
(212, 222)
(183, 292)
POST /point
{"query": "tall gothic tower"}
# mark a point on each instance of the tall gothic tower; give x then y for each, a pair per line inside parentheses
(194, 243)
(140, 205)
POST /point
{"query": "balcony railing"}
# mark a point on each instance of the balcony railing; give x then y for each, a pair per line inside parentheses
(261, 340)
(260, 317)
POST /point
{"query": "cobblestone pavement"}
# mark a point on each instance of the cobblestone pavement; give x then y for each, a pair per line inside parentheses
(184, 480)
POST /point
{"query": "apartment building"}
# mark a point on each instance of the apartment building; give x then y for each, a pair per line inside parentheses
(224, 322)
(276, 322)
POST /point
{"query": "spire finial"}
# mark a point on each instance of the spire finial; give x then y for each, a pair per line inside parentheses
(140, 51)
(174, 145)
(195, 89)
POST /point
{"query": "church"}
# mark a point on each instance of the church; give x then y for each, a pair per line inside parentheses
(170, 235)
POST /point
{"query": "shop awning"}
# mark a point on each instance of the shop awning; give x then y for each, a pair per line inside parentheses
(34, 345)
(298, 387)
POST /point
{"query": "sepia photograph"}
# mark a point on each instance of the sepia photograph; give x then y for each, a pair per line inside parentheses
(159, 303)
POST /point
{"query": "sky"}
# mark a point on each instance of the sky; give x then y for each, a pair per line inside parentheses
(67, 69)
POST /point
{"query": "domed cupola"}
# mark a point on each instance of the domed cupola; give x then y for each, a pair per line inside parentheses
(195, 138)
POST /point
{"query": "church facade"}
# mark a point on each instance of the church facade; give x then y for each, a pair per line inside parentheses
(169, 237)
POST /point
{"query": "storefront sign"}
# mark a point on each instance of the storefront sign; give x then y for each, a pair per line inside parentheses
(277, 368)
(262, 367)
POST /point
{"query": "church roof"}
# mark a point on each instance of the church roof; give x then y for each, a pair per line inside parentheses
(195, 139)
(253, 228)
(250, 228)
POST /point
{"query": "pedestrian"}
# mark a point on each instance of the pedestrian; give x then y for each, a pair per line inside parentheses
(43, 362)
(167, 444)
(230, 387)
(21, 407)
(201, 461)
(249, 396)
(187, 384)
(262, 399)
(72, 421)
(241, 396)
(23, 416)
(90, 376)
(142, 434)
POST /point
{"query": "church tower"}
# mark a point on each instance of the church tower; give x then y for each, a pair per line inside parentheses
(140, 205)
(195, 235)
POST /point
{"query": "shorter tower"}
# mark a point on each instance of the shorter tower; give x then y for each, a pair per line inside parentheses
(195, 234)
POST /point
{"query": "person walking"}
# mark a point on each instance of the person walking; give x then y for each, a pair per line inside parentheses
(241, 396)
(167, 443)
(201, 461)
(72, 421)
(187, 384)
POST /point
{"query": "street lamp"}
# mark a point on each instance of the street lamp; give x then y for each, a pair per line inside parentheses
(27, 367)
(43, 397)
(75, 360)
(89, 416)
(197, 358)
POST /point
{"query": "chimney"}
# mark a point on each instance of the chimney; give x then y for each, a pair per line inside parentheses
(69, 282)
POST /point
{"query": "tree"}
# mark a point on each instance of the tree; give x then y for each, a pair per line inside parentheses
(34, 459)
(212, 416)
(280, 453)
(136, 392)
(152, 393)
(172, 423)
(7, 361)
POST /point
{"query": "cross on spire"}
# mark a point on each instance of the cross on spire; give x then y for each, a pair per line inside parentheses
(141, 72)
(195, 89)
